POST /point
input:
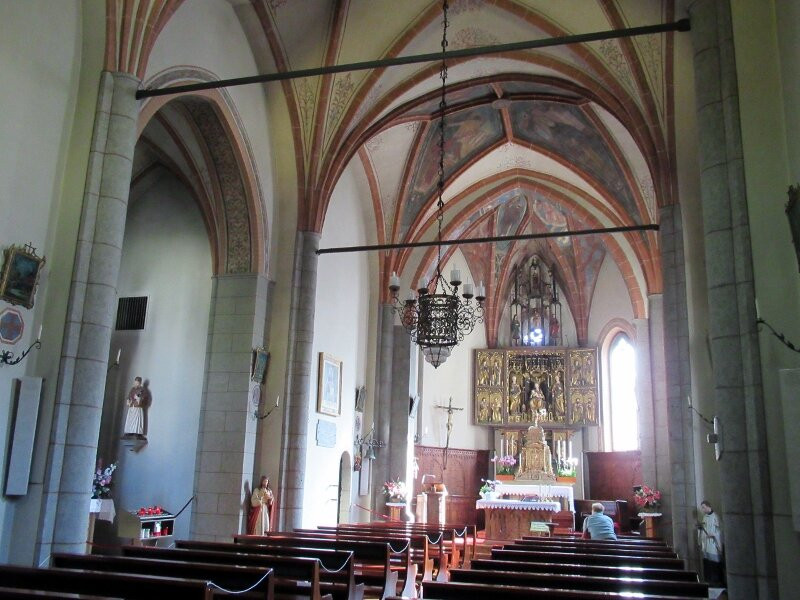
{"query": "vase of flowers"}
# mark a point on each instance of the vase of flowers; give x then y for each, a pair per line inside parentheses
(487, 491)
(647, 499)
(101, 486)
(504, 466)
(395, 490)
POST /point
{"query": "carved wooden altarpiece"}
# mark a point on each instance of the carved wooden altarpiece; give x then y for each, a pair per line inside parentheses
(512, 385)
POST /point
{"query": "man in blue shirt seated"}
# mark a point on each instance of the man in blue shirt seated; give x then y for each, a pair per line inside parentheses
(599, 526)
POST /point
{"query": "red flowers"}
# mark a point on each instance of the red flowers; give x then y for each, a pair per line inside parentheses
(147, 511)
(647, 497)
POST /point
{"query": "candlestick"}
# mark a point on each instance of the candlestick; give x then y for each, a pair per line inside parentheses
(39, 335)
(119, 353)
(758, 315)
(570, 449)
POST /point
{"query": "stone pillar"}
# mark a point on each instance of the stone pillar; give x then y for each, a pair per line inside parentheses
(227, 436)
(644, 394)
(399, 421)
(744, 474)
(294, 441)
(92, 306)
(382, 407)
(679, 384)
(655, 310)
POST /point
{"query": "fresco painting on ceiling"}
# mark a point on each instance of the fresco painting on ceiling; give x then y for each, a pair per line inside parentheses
(467, 133)
(551, 217)
(565, 130)
(593, 253)
(509, 217)
(478, 255)
(454, 98)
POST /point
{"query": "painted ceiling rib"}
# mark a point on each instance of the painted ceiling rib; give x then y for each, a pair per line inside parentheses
(492, 239)
(681, 25)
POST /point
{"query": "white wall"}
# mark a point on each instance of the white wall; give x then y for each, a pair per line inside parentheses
(610, 301)
(453, 379)
(165, 256)
(341, 323)
(40, 54)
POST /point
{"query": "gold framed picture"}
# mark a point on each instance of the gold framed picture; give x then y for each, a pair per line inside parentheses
(329, 385)
(20, 275)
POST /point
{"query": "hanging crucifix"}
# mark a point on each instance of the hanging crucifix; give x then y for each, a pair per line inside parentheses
(449, 408)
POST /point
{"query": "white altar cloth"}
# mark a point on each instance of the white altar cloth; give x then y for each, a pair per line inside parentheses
(103, 508)
(543, 491)
(518, 505)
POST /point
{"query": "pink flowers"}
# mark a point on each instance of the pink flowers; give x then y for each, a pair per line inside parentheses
(504, 464)
(101, 484)
(647, 497)
(395, 489)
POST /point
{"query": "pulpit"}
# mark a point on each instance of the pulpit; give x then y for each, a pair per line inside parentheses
(432, 507)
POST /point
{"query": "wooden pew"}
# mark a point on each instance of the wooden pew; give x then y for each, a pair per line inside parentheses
(434, 590)
(552, 543)
(621, 540)
(337, 567)
(299, 576)
(566, 568)
(687, 589)
(372, 559)
(585, 558)
(231, 577)
(8, 593)
(136, 587)
(602, 549)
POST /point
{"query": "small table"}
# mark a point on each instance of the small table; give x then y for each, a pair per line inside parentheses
(651, 523)
(396, 510)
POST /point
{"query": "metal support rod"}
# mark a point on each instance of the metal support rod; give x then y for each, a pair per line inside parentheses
(681, 25)
(499, 238)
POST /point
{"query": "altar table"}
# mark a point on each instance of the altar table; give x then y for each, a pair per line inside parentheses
(563, 492)
(511, 519)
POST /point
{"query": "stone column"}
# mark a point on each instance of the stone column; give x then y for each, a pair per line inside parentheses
(679, 384)
(399, 421)
(92, 306)
(644, 394)
(662, 481)
(227, 436)
(294, 441)
(382, 407)
(744, 474)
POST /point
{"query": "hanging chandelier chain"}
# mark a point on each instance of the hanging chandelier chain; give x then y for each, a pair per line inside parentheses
(442, 109)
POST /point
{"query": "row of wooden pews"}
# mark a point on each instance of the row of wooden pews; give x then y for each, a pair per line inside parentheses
(569, 567)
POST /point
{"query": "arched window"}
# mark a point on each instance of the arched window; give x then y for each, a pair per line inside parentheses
(621, 431)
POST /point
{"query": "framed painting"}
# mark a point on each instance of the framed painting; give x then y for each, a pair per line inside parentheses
(20, 275)
(329, 386)
(258, 370)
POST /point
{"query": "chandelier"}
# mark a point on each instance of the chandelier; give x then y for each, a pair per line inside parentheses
(535, 307)
(438, 317)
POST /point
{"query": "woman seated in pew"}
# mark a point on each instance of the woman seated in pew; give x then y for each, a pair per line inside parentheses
(598, 526)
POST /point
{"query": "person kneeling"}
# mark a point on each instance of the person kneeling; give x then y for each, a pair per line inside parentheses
(599, 526)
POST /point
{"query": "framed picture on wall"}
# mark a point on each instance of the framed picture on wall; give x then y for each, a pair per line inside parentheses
(20, 275)
(258, 371)
(329, 385)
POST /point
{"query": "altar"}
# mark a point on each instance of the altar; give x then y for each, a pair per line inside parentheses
(511, 519)
(563, 494)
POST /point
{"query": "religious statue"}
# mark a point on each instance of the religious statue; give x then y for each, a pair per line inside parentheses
(261, 500)
(559, 400)
(577, 408)
(138, 398)
(514, 396)
(589, 403)
(497, 408)
(537, 397)
(555, 328)
(515, 329)
(483, 408)
(483, 370)
(497, 370)
(535, 460)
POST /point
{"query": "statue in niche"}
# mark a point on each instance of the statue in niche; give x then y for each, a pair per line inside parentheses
(537, 397)
(589, 404)
(577, 408)
(515, 330)
(535, 460)
(483, 370)
(497, 370)
(514, 396)
(137, 400)
(483, 408)
(559, 400)
(496, 403)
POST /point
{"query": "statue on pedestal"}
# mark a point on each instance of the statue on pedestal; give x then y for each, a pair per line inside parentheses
(535, 460)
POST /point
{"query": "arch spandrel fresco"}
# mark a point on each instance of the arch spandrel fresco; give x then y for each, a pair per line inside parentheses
(564, 129)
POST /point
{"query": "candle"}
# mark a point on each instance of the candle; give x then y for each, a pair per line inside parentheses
(410, 297)
(421, 285)
(480, 292)
(758, 315)
(467, 289)
(394, 280)
(119, 353)
(455, 276)
(277, 401)
(570, 449)
(39, 335)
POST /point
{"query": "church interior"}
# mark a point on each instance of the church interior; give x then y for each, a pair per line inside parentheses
(561, 269)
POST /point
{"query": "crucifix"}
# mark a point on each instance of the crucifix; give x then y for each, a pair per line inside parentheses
(449, 408)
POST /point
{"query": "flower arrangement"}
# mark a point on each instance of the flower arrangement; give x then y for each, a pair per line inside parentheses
(647, 498)
(504, 464)
(395, 488)
(489, 485)
(101, 485)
